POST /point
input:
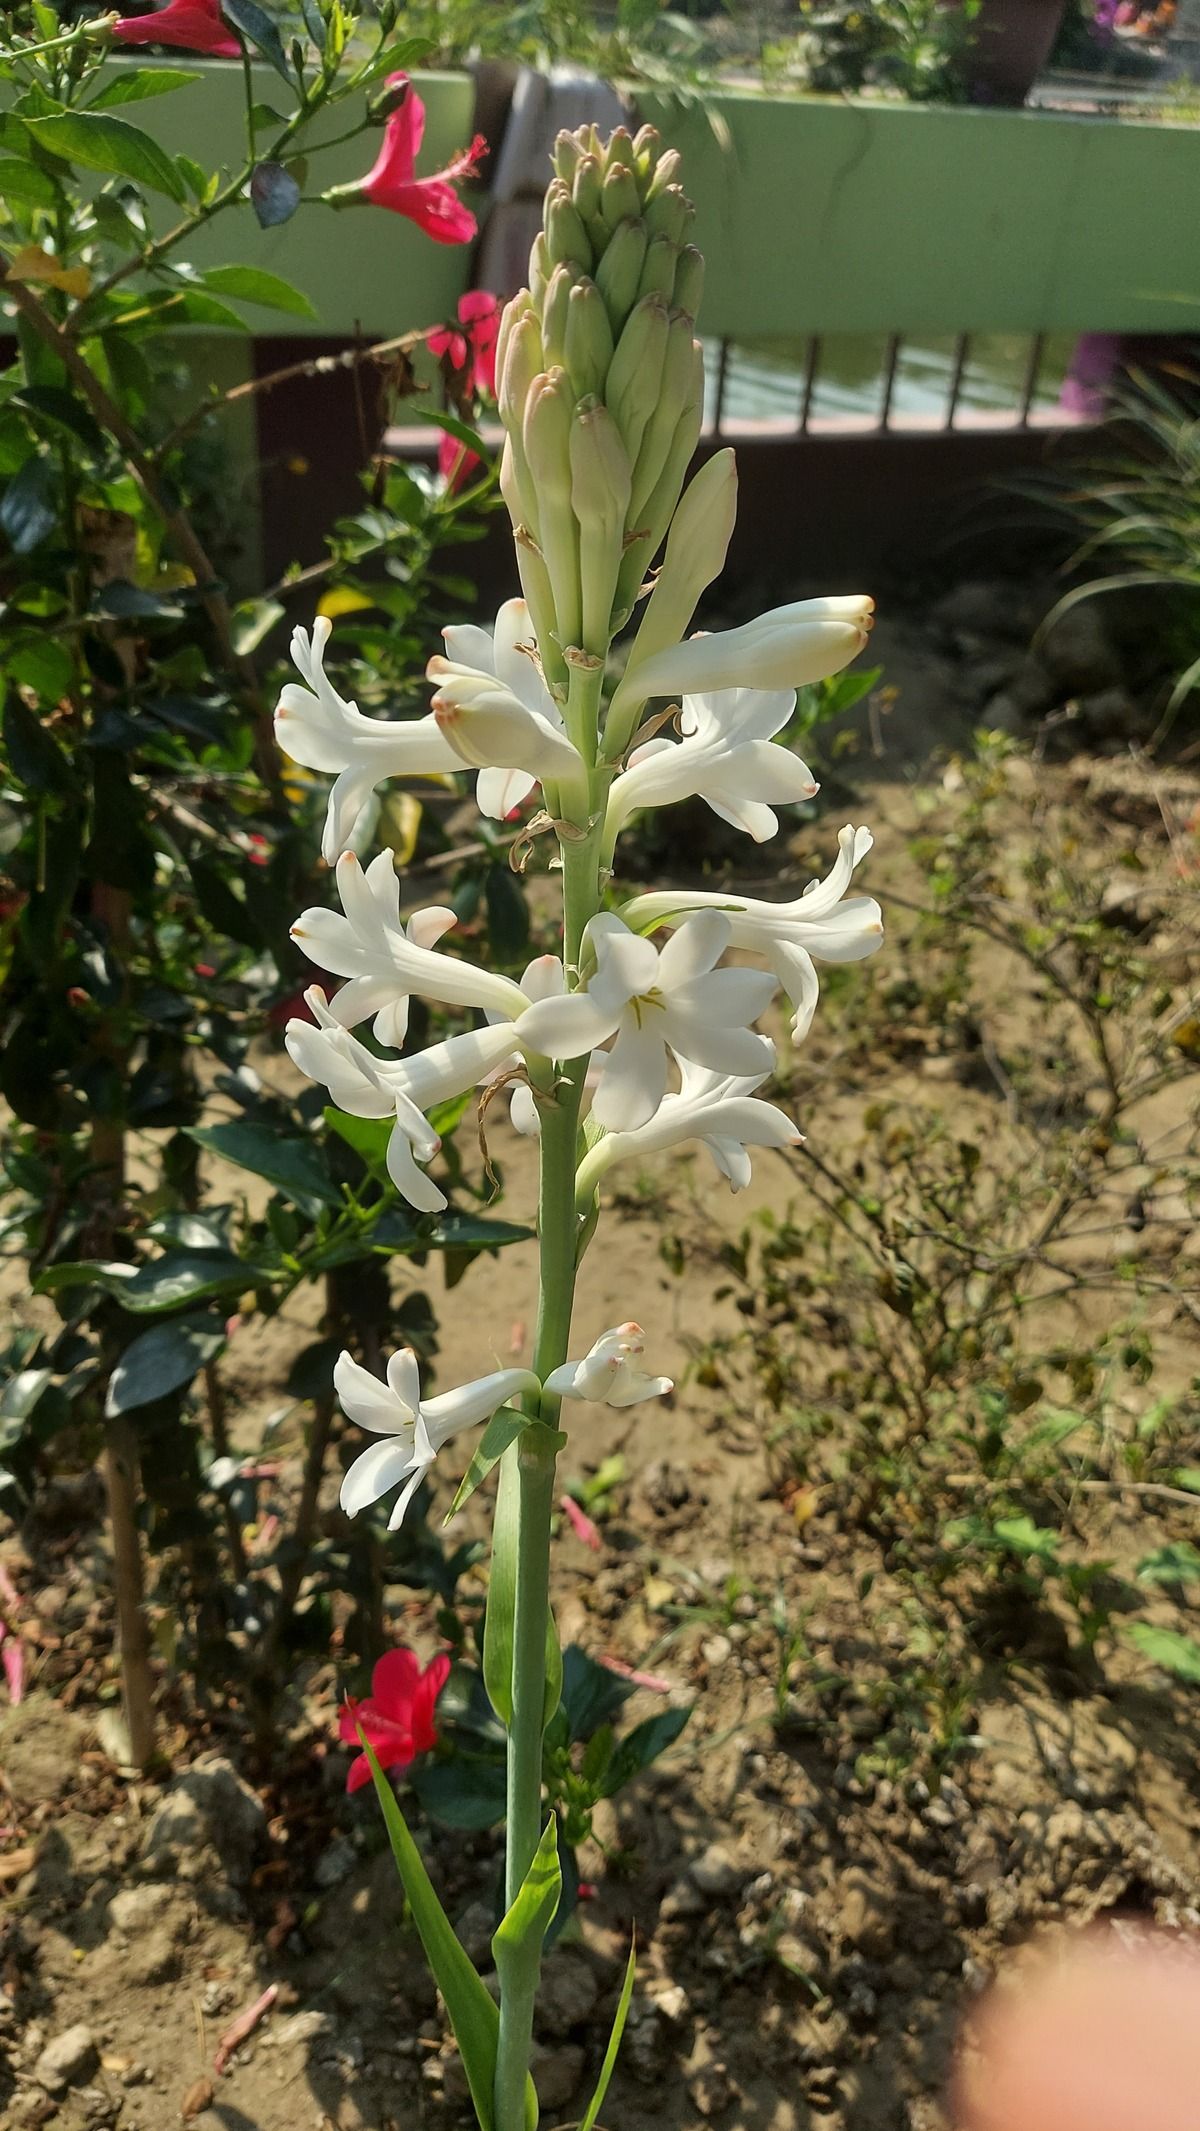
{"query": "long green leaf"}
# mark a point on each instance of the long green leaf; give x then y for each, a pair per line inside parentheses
(253, 284)
(518, 1937)
(503, 1429)
(614, 2043)
(110, 144)
(474, 2015)
(133, 85)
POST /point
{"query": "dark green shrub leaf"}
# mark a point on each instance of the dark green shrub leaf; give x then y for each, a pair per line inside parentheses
(34, 756)
(252, 284)
(591, 1694)
(103, 143)
(294, 1166)
(135, 84)
(24, 181)
(162, 1360)
(29, 506)
(253, 22)
(640, 1747)
(463, 1793)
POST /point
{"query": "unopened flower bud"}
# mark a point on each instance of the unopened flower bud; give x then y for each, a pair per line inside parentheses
(566, 237)
(620, 271)
(666, 172)
(554, 313)
(651, 520)
(689, 281)
(588, 343)
(519, 307)
(619, 199)
(489, 727)
(546, 436)
(789, 647)
(565, 156)
(523, 363)
(682, 381)
(658, 269)
(539, 267)
(669, 214)
(620, 151)
(600, 476)
(697, 544)
(586, 186)
(635, 373)
(647, 147)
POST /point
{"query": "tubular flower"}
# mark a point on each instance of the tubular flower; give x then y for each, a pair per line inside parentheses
(397, 1716)
(496, 712)
(719, 1110)
(652, 1002)
(726, 758)
(385, 962)
(404, 1088)
(413, 1429)
(432, 203)
(316, 726)
(788, 647)
(609, 1375)
(821, 925)
(192, 25)
(472, 349)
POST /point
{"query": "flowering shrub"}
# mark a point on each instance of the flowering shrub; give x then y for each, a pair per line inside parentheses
(600, 386)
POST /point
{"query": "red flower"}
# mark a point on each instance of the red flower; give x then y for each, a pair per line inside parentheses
(431, 203)
(456, 462)
(397, 1717)
(475, 349)
(195, 25)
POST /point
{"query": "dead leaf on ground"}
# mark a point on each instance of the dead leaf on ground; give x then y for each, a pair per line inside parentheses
(198, 2098)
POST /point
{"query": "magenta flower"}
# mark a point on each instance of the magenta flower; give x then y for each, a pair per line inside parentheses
(397, 1716)
(193, 25)
(472, 350)
(432, 203)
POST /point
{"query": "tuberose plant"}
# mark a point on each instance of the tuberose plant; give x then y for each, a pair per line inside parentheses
(600, 394)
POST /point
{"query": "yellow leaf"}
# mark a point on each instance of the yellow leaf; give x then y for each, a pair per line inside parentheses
(33, 263)
(341, 600)
(400, 825)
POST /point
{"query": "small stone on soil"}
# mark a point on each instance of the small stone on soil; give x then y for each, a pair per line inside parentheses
(68, 2060)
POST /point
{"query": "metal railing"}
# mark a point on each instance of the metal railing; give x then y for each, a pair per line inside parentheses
(794, 393)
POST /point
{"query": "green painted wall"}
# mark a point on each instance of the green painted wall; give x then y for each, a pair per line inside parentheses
(848, 217)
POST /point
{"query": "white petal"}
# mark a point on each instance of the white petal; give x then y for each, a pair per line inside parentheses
(365, 1400)
(631, 1388)
(426, 927)
(635, 1078)
(371, 1475)
(405, 1497)
(412, 1183)
(469, 645)
(566, 1027)
(748, 815)
(544, 978)
(626, 965)
(499, 792)
(696, 948)
(404, 1379)
(477, 1401)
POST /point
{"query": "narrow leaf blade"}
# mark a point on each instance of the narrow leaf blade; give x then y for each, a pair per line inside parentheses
(614, 2043)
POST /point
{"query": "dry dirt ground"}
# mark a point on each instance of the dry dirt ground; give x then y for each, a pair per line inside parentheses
(809, 1933)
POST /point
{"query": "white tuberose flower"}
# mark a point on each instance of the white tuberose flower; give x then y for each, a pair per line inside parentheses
(496, 712)
(821, 924)
(608, 1373)
(387, 964)
(788, 647)
(719, 1110)
(414, 1429)
(653, 1001)
(366, 1086)
(316, 726)
(725, 758)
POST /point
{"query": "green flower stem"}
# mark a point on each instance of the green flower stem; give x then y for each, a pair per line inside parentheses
(536, 1458)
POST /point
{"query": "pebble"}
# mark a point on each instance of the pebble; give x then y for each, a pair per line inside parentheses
(568, 1993)
(866, 1919)
(335, 1863)
(68, 2060)
(717, 1872)
(557, 2072)
(711, 2090)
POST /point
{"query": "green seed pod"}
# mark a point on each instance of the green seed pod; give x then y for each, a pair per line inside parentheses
(658, 269)
(689, 281)
(588, 340)
(635, 373)
(619, 199)
(566, 237)
(669, 214)
(586, 186)
(620, 271)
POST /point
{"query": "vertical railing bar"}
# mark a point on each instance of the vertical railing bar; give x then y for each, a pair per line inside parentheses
(812, 364)
(1037, 349)
(722, 377)
(889, 379)
(962, 346)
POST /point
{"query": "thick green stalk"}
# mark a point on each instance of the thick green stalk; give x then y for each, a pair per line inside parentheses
(536, 1460)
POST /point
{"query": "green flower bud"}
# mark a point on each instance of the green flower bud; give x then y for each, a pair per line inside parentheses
(620, 271)
(566, 238)
(600, 476)
(554, 313)
(669, 214)
(517, 308)
(546, 435)
(535, 586)
(682, 379)
(523, 363)
(666, 172)
(539, 268)
(635, 373)
(588, 340)
(658, 269)
(653, 519)
(697, 544)
(647, 147)
(620, 150)
(586, 185)
(565, 155)
(619, 200)
(689, 281)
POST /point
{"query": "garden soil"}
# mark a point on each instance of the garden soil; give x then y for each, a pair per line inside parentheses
(810, 1929)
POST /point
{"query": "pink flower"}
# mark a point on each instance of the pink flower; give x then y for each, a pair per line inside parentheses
(397, 1717)
(456, 462)
(474, 349)
(580, 1523)
(431, 203)
(195, 25)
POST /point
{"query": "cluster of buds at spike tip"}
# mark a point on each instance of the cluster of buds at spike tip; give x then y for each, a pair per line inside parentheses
(600, 385)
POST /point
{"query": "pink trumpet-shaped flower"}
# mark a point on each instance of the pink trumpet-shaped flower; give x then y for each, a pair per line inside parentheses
(432, 203)
(473, 348)
(397, 1716)
(192, 25)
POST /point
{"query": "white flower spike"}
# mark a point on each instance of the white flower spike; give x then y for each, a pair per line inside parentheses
(822, 925)
(413, 1429)
(317, 727)
(497, 714)
(385, 962)
(719, 1110)
(726, 758)
(609, 1374)
(652, 1002)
